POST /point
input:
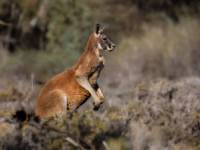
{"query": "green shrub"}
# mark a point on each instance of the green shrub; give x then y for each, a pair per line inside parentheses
(69, 24)
(42, 64)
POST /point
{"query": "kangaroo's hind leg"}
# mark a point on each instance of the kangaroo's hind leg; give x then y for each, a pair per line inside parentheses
(56, 104)
(54, 109)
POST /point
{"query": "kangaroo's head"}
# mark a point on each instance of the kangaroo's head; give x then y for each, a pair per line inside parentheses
(102, 41)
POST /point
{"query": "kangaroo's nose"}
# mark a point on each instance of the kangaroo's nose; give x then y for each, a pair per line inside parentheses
(113, 45)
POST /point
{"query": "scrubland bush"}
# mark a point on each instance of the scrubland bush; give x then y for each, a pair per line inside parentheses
(161, 114)
(168, 118)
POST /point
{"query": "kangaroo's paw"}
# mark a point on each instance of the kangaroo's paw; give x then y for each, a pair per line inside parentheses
(97, 105)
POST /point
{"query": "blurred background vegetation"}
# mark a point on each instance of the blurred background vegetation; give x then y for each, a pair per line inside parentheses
(52, 34)
(156, 40)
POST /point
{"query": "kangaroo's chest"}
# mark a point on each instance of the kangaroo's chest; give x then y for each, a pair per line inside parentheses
(96, 71)
(99, 63)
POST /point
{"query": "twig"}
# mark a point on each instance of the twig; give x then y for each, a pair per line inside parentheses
(74, 143)
(6, 120)
(106, 145)
(30, 91)
(2, 23)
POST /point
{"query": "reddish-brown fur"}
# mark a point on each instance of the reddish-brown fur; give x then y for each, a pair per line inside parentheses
(52, 98)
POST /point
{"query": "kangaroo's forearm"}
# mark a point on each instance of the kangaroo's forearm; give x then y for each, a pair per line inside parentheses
(100, 94)
(98, 91)
(83, 81)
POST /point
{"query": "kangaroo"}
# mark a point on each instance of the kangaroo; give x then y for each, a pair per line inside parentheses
(68, 90)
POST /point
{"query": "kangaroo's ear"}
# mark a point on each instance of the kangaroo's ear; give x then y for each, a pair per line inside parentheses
(99, 29)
